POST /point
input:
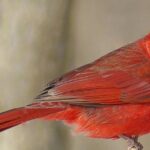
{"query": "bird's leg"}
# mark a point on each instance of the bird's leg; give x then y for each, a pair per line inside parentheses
(133, 143)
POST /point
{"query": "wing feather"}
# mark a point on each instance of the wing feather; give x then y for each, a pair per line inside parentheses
(120, 77)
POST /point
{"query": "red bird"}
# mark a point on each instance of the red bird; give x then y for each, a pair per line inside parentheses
(108, 98)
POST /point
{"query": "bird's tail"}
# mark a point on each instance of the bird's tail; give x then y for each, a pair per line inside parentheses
(20, 115)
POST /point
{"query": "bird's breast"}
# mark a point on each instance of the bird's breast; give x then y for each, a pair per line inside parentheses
(107, 121)
(112, 121)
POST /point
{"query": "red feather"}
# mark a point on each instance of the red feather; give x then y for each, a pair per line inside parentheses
(105, 99)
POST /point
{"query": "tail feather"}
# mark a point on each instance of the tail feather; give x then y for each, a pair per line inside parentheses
(18, 116)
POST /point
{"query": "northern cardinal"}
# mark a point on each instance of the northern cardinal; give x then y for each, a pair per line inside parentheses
(108, 98)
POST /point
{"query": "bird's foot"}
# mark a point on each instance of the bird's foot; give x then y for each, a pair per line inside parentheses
(133, 143)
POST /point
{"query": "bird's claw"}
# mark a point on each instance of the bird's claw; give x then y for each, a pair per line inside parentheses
(135, 146)
(133, 143)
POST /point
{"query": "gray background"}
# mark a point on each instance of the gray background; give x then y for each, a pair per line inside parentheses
(41, 39)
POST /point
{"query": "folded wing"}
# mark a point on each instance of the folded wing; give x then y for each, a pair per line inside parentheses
(120, 77)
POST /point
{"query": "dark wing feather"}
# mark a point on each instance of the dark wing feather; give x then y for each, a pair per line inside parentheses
(117, 78)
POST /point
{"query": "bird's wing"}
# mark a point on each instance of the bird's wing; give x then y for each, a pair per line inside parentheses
(117, 78)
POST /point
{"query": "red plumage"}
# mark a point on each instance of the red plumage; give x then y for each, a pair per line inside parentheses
(107, 98)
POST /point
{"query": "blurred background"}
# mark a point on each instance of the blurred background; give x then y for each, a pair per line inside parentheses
(42, 39)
